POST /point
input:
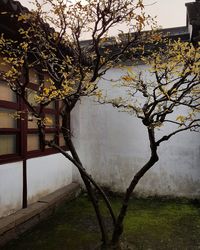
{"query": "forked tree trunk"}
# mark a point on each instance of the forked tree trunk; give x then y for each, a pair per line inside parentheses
(114, 244)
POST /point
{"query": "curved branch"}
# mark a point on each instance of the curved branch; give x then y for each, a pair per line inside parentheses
(190, 126)
(82, 170)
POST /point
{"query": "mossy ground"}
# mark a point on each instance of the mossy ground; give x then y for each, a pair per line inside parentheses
(150, 224)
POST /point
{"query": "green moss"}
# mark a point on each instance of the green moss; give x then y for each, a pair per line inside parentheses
(150, 224)
(163, 225)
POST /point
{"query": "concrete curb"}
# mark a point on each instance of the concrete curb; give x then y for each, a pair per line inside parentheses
(14, 225)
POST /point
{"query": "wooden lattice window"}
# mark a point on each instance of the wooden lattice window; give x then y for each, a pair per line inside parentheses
(19, 138)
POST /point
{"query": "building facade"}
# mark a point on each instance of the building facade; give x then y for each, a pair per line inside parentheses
(26, 172)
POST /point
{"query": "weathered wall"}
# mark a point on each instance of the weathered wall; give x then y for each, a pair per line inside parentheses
(10, 188)
(113, 145)
(47, 174)
(44, 175)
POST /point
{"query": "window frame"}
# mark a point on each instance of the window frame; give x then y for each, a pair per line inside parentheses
(11, 131)
(22, 129)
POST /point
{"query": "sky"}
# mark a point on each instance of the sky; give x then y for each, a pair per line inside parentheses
(170, 13)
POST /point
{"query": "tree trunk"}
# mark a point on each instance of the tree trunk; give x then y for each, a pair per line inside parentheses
(90, 191)
(153, 159)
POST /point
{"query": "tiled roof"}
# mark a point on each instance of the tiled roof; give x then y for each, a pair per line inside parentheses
(8, 24)
(11, 5)
(16, 7)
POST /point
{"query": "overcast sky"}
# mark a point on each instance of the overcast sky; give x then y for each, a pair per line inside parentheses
(170, 13)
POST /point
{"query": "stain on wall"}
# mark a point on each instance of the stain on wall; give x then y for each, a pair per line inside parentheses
(114, 145)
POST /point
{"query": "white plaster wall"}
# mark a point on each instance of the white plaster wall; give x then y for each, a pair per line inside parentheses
(113, 146)
(10, 188)
(46, 174)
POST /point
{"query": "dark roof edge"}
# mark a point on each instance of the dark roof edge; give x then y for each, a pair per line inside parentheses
(15, 6)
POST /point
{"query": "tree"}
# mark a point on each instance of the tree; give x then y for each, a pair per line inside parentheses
(49, 40)
(74, 68)
(170, 96)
